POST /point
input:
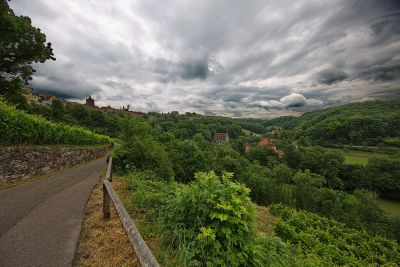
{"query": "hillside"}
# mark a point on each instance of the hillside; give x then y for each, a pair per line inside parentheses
(366, 123)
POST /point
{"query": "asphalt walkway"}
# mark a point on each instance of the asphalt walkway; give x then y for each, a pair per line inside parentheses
(40, 221)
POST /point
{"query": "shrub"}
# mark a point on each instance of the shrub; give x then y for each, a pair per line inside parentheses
(140, 154)
(333, 242)
(149, 193)
(212, 218)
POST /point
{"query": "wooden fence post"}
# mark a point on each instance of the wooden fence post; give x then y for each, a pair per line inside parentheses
(106, 203)
(109, 169)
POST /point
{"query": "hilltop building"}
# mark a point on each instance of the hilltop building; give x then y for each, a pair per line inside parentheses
(90, 102)
(108, 109)
(220, 137)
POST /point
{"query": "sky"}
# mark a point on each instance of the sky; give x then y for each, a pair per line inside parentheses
(256, 58)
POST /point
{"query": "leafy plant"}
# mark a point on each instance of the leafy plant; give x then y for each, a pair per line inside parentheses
(20, 128)
(332, 241)
(213, 218)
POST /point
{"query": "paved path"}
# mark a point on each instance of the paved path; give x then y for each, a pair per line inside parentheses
(40, 221)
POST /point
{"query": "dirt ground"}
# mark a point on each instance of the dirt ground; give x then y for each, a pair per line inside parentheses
(103, 242)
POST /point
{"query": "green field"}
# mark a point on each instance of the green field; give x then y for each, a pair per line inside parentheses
(391, 207)
(394, 141)
(249, 133)
(357, 157)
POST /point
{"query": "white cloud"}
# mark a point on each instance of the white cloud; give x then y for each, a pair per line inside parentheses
(227, 57)
(290, 101)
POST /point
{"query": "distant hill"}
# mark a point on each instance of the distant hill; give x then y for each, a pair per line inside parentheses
(365, 123)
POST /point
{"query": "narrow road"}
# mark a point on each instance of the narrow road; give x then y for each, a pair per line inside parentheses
(40, 221)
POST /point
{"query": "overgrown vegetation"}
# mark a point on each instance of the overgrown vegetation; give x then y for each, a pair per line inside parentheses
(94, 119)
(332, 243)
(20, 128)
(170, 172)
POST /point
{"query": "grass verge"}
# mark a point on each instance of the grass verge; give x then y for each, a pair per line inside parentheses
(103, 242)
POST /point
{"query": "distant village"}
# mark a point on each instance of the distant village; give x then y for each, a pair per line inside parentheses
(264, 142)
(45, 100)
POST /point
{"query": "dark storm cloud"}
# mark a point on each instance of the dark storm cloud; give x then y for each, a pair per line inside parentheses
(330, 76)
(380, 73)
(229, 57)
(194, 68)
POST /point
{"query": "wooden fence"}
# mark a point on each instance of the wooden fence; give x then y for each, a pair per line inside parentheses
(141, 249)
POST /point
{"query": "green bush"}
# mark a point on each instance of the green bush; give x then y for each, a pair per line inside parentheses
(333, 242)
(20, 128)
(140, 154)
(212, 218)
(208, 222)
(277, 253)
(149, 194)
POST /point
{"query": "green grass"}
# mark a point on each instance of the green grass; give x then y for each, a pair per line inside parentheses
(395, 141)
(357, 157)
(392, 139)
(391, 207)
(249, 133)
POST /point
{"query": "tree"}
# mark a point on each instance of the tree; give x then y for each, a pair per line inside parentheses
(307, 193)
(21, 44)
(384, 176)
(57, 110)
(281, 173)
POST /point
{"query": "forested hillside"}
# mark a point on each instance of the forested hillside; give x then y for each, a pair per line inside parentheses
(366, 123)
(194, 195)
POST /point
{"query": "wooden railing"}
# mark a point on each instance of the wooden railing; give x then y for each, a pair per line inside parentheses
(140, 248)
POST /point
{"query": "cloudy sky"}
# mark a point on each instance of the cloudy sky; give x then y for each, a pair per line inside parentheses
(231, 58)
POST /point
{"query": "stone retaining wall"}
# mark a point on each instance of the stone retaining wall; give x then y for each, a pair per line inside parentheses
(22, 162)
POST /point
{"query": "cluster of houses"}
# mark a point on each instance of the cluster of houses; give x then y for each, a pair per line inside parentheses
(38, 98)
(90, 102)
(267, 143)
(45, 100)
(264, 142)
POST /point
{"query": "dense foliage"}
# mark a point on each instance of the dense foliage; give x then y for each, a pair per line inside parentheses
(381, 174)
(108, 123)
(20, 45)
(18, 127)
(366, 123)
(161, 163)
(209, 222)
(333, 243)
(307, 177)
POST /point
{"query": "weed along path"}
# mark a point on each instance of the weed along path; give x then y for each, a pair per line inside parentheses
(40, 221)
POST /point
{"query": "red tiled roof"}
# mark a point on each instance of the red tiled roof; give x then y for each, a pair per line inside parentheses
(265, 142)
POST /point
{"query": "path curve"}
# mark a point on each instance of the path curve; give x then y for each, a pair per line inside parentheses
(40, 221)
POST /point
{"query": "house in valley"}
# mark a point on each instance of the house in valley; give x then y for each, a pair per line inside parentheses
(268, 143)
(275, 131)
(248, 148)
(220, 137)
